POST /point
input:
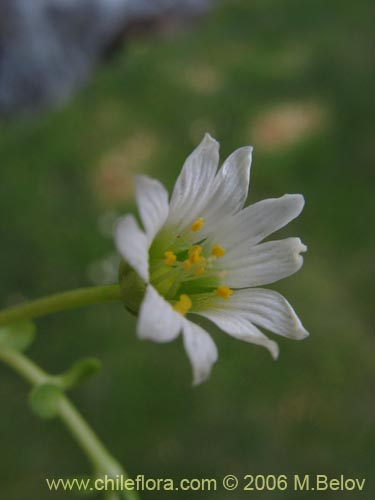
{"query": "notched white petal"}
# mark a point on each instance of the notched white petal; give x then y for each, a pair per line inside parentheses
(238, 163)
(201, 350)
(152, 202)
(157, 320)
(267, 309)
(237, 326)
(264, 263)
(235, 174)
(231, 186)
(195, 183)
(255, 222)
(132, 243)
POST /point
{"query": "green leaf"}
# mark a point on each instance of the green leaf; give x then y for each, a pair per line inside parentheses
(18, 335)
(79, 372)
(44, 400)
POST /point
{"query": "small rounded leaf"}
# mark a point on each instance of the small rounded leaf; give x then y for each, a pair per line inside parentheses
(79, 372)
(18, 335)
(44, 400)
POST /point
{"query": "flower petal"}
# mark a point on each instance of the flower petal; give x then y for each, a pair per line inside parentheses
(262, 264)
(265, 308)
(240, 328)
(254, 223)
(200, 349)
(152, 202)
(194, 184)
(231, 186)
(157, 320)
(132, 244)
(201, 192)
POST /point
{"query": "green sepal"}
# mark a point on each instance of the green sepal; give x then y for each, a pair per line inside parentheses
(18, 335)
(132, 287)
(79, 372)
(44, 400)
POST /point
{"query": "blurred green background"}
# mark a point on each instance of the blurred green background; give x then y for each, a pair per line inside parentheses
(294, 80)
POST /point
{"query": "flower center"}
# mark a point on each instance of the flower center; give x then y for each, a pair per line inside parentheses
(186, 275)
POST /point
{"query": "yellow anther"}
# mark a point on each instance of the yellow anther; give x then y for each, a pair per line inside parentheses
(199, 271)
(197, 225)
(224, 292)
(195, 254)
(217, 251)
(195, 249)
(170, 258)
(183, 305)
(187, 265)
(201, 261)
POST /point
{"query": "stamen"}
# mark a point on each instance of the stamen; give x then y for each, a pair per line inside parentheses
(217, 251)
(170, 258)
(199, 271)
(195, 255)
(187, 265)
(195, 249)
(224, 292)
(183, 305)
(197, 225)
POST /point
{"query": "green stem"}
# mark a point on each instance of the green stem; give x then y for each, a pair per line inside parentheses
(102, 461)
(60, 302)
(23, 366)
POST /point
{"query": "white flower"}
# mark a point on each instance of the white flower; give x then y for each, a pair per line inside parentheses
(202, 254)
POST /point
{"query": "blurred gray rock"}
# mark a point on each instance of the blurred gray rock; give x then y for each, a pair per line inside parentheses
(48, 48)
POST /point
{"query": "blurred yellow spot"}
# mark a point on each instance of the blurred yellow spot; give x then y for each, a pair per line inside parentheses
(204, 79)
(224, 292)
(170, 257)
(287, 124)
(217, 251)
(183, 305)
(112, 178)
(197, 225)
